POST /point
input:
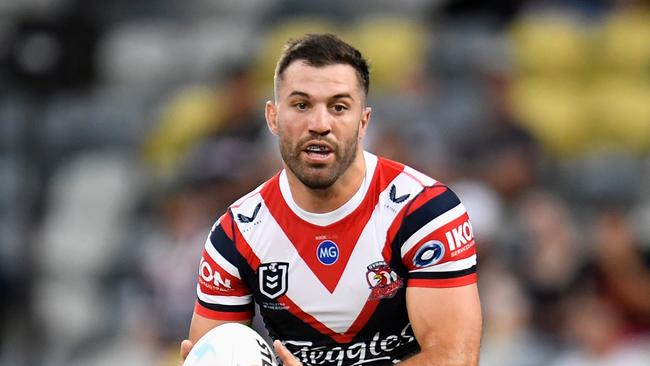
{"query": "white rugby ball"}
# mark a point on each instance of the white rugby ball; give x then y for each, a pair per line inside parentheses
(231, 344)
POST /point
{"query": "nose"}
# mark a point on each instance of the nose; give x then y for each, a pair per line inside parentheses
(319, 121)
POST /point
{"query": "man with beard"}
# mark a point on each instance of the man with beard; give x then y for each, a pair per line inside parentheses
(352, 258)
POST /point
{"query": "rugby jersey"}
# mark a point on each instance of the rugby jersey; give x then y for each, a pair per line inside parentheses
(332, 286)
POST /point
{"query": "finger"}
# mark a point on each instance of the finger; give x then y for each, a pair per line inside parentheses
(286, 357)
(186, 347)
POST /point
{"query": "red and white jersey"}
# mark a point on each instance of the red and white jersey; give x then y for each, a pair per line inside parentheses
(332, 286)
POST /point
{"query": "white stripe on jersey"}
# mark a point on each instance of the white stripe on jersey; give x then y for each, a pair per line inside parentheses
(404, 185)
(450, 266)
(223, 300)
(431, 226)
(427, 181)
(214, 226)
(220, 260)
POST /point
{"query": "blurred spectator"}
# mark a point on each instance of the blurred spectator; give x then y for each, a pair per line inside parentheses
(509, 339)
(624, 270)
(594, 328)
(548, 262)
(213, 175)
(230, 108)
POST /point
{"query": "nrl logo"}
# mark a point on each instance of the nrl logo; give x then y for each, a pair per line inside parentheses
(273, 279)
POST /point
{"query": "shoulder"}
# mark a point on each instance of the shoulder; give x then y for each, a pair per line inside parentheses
(422, 200)
(401, 183)
(254, 200)
(254, 195)
(245, 209)
(413, 176)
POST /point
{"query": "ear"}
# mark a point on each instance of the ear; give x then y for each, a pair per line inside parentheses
(271, 115)
(363, 123)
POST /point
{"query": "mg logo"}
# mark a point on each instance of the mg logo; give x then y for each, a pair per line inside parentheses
(459, 236)
(273, 279)
(327, 252)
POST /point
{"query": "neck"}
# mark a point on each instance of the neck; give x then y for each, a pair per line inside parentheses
(333, 197)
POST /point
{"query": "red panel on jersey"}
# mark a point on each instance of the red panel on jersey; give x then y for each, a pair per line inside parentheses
(226, 224)
(443, 234)
(344, 233)
(214, 280)
(245, 250)
(392, 231)
(426, 196)
(443, 282)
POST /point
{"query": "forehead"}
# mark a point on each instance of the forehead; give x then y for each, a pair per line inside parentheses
(319, 81)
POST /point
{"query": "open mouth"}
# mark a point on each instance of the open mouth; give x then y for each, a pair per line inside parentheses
(317, 151)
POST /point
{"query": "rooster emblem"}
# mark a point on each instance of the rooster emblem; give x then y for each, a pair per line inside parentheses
(383, 281)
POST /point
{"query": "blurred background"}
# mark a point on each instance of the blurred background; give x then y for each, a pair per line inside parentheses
(127, 127)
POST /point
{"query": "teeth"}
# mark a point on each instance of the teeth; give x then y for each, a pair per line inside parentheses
(316, 148)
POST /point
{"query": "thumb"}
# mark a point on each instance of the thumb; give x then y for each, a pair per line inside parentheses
(286, 357)
(186, 347)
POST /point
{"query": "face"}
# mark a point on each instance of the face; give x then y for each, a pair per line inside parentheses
(320, 119)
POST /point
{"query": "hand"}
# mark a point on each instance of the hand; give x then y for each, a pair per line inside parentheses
(186, 347)
(287, 358)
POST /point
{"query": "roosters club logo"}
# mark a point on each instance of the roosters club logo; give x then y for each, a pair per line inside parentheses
(383, 281)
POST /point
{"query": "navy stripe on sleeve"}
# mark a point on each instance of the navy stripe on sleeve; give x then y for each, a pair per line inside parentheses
(226, 308)
(443, 275)
(415, 220)
(222, 243)
(435, 207)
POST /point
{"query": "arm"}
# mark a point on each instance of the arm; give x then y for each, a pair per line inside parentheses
(447, 324)
(441, 297)
(222, 295)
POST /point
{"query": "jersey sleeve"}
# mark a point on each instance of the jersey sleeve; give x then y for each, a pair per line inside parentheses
(221, 292)
(437, 242)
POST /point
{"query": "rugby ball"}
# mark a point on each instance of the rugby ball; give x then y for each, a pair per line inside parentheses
(231, 344)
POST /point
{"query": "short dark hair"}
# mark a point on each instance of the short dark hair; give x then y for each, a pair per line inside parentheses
(323, 50)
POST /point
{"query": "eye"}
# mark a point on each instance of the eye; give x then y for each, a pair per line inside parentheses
(301, 106)
(340, 108)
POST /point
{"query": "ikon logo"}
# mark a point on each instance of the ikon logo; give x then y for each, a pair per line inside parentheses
(459, 236)
(210, 276)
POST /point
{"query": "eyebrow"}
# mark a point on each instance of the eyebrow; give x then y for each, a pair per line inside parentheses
(306, 95)
(299, 93)
(342, 95)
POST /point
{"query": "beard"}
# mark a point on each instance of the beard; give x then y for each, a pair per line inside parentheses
(319, 176)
